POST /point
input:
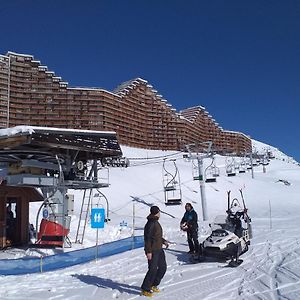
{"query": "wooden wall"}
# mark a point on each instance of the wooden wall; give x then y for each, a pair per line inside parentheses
(135, 110)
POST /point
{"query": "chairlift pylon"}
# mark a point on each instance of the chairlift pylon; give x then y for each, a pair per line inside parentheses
(171, 183)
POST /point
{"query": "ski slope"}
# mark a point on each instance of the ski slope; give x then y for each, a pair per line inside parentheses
(271, 267)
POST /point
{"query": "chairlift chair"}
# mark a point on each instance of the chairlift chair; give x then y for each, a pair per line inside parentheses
(242, 170)
(248, 164)
(171, 183)
(230, 167)
(243, 166)
(265, 161)
(216, 172)
(195, 171)
(211, 172)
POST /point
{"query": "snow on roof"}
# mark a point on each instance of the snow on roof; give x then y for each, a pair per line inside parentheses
(31, 129)
(95, 89)
(236, 132)
(142, 80)
(16, 130)
(3, 56)
(19, 54)
(197, 106)
(43, 67)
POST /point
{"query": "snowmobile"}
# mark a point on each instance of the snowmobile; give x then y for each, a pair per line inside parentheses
(231, 234)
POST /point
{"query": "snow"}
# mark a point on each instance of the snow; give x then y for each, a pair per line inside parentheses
(30, 129)
(271, 267)
(16, 130)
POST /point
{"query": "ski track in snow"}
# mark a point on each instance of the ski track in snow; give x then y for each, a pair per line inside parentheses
(273, 273)
(271, 270)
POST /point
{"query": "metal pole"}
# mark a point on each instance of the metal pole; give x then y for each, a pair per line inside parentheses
(8, 94)
(264, 164)
(251, 161)
(97, 236)
(133, 218)
(270, 209)
(133, 222)
(202, 189)
(64, 217)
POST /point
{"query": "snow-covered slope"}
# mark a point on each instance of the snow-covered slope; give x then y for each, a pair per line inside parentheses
(262, 148)
(271, 267)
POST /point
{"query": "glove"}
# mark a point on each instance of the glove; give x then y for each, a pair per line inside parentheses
(184, 226)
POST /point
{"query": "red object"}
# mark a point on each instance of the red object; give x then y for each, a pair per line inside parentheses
(51, 233)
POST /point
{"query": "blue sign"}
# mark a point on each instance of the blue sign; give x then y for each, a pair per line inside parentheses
(45, 213)
(97, 218)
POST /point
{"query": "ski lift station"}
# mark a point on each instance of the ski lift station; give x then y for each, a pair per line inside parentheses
(41, 164)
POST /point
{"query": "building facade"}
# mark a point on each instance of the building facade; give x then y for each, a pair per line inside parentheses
(30, 94)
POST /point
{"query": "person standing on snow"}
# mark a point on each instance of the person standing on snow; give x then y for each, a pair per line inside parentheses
(189, 223)
(154, 241)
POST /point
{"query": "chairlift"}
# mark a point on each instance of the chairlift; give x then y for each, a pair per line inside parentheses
(212, 172)
(195, 171)
(237, 166)
(248, 164)
(265, 161)
(171, 183)
(230, 167)
(243, 166)
(270, 155)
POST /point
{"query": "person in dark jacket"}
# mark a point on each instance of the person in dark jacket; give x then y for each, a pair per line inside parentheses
(10, 222)
(189, 223)
(157, 266)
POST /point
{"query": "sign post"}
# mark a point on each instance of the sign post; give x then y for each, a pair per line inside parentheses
(97, 221)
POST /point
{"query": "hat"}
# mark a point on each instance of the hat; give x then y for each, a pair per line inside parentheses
(154, 210)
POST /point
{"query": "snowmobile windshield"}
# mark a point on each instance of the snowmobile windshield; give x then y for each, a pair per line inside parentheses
(219, 233)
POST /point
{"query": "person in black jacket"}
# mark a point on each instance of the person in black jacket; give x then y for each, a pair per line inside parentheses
(10, 222)
(189, 223)
(157, 266)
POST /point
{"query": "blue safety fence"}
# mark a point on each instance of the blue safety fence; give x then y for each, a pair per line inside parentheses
(28, 265)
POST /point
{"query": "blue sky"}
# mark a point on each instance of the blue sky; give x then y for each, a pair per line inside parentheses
(239, 59)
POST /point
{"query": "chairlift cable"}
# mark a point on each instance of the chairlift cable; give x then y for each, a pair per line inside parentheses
(154, 157)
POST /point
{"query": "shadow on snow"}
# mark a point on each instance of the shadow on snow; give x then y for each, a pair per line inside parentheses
(108, 284)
